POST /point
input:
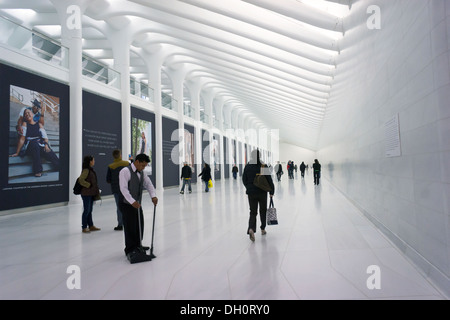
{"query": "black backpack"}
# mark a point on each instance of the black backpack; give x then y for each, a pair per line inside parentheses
(77, 188)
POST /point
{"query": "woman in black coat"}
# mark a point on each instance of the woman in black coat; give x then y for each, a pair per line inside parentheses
(256, 196)
(206, 175)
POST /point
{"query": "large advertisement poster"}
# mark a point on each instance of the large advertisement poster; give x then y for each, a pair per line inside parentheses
(226, 153)
(239, 157)
(216, 156)
(245, 154)
(35, 140)
(171, 155)
(233, 153)
(143, 138)
(189, 150)
(102, 133)
(36, 125)
(206, 150)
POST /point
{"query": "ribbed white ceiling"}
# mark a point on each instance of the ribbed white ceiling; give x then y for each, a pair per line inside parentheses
(274, 61)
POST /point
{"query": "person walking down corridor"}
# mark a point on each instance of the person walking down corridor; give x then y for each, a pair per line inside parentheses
(279, 170)
(186, 175)
(316, 168)
(256, 196)
(235, 171)
(302, 169)
(206, 175)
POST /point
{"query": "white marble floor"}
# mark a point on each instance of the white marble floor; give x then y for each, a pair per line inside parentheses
(321, 249)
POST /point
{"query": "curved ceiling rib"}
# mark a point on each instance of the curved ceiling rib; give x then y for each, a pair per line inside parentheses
(271, 61)
(296, 30)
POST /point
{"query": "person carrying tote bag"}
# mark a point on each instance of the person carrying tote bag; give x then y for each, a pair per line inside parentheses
(257, 196)
(272, 218)
(206, 176)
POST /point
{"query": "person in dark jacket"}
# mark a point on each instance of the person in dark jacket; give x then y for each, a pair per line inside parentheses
(317, 168)
(302, 169)
(235, 171)
(186, 175)
(89, 193)
(206, 175)
(112, 177)
(256, 196)
(279, 170)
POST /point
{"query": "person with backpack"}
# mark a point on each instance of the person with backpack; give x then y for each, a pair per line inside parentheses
(89, 193)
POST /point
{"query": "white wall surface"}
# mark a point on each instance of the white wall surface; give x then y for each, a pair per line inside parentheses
(402, 68)
(296, 154)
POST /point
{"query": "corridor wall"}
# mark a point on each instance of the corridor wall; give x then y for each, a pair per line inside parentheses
(398, 71)
(19, 185)
(170, 153)
(143, 138)
(102, 133)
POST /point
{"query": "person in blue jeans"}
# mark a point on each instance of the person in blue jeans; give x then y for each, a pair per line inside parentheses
(235, 171)
(186, 175)
(206, 175)
(89, 193)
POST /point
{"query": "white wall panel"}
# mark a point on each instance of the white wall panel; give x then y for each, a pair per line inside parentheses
(403, 69)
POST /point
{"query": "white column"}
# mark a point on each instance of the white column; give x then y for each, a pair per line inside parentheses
(177, 81)
(70, 13)
(121, 51)
(154, 64)
(194, 89)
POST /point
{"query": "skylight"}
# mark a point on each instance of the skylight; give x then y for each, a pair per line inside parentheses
(335, 9)
(20, 14)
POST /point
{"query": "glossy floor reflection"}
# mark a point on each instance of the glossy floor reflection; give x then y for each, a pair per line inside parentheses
(321, 249)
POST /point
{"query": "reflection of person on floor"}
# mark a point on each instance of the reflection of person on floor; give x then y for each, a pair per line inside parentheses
(36, 143)
(37, 115)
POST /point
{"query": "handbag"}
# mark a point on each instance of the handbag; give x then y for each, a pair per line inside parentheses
(210, 185)
(261, 182)
(77, 188)
(272, 218)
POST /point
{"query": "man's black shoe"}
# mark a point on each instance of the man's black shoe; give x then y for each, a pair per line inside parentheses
(118, 228)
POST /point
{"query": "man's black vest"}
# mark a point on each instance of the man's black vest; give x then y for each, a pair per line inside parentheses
(135, 185)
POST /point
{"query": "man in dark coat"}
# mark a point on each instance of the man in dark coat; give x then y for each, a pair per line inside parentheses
(186, 175)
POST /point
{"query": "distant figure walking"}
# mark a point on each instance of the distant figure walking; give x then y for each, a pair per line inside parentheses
(316, 168)
(235, 171)
(302, 169)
